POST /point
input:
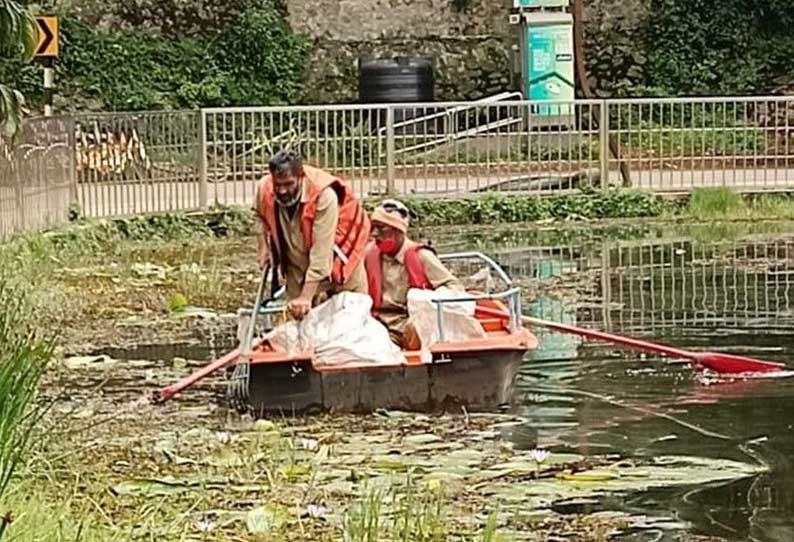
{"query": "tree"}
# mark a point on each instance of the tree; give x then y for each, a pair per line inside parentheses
(18, 38)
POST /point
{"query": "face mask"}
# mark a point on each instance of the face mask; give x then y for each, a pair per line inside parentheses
(387, 246)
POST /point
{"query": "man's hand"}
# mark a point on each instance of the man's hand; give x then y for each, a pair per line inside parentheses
(299, 307)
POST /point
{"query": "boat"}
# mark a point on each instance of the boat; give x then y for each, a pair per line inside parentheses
(475, 375)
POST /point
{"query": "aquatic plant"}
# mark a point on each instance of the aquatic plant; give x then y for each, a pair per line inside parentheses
(23, 360)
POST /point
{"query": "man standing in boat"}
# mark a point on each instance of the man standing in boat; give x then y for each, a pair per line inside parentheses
(395, 264)
(311, 225)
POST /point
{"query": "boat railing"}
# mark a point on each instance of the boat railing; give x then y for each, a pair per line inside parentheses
(474, 255)
(511, 297)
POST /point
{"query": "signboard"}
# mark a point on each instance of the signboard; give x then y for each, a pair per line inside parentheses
(540, 3)
(48, 37)
(549, 69)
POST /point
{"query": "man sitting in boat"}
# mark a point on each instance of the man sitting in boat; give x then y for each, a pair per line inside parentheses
(394, 264)
(314, 227)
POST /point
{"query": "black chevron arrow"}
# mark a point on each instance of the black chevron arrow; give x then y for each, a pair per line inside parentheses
(48, 37)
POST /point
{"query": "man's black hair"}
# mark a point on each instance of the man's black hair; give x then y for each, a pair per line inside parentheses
(285, 162)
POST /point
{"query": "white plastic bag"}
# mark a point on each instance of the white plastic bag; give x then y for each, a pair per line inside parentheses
(457, 318)
(340, 330)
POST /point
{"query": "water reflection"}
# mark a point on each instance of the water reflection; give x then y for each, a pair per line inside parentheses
(733, 294)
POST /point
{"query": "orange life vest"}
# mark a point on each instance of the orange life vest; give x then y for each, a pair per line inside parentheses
(352, 229)
(417, 278)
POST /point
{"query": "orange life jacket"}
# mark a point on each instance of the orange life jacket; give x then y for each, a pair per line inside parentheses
(417, 278)
(352, 229)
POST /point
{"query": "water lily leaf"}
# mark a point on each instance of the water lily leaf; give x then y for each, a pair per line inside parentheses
(199, 434)
(153, 487)
(589, 476)
(294, 472)
(461, 458)
(264, 426)
(92, 362)
(418, 440)
(177, 459)
(196, 312)
(443, 475)
(340, 487)
(400, 463)
(225, 458)
(147, 269)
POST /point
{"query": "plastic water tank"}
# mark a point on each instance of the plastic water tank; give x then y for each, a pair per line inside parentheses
(396, 80)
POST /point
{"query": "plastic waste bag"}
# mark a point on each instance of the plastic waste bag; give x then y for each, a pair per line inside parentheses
(457, 317)
(340, 330)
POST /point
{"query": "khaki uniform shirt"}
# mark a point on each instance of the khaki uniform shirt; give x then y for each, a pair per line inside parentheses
(312, 264)
(394, 310)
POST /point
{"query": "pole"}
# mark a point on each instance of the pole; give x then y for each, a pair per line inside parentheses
(49, 84)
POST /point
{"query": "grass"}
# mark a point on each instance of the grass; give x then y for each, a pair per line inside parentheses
(715, 202)
(23, 360)
(408, 513)
(724, 204)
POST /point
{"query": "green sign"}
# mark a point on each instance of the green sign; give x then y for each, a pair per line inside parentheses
(549, 70)
(540, 3)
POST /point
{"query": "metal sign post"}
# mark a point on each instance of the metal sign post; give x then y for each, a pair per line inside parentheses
(48, 49)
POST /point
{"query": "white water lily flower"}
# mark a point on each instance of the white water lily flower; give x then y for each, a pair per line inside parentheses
(223, 437)
(316, 511)
(205, 525)
(540, 455)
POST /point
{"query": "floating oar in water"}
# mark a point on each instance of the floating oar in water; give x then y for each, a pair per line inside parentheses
(717, 362)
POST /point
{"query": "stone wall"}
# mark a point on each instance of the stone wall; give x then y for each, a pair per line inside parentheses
(471, 47)
(469, 40)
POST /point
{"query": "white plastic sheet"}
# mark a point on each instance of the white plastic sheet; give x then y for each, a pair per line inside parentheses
(341, 330)
(457, 318)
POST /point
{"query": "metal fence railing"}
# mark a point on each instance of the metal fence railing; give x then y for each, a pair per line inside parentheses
(37, 177)
(420, 149)
(676, 145)
(664, 285)
(134, 163)
(128, 163)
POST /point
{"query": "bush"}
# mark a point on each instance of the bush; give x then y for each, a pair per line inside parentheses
(732, 47)
(256, 60)
(503, 208)
(261, 58)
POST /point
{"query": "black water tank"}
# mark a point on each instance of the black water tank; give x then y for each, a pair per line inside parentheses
(395, 80)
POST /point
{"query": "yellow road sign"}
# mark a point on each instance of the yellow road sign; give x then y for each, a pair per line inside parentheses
(48, 36)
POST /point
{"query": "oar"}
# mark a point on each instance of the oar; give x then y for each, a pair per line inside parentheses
(721, 363)
(166, 393)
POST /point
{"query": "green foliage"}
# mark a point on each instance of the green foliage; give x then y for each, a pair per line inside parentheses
(724, 204)
(23, 360)
(18, 38)
(255, 60)
(732, 47)
(32, 254)
(501, 208)
(261, 57)
(130, 70)
(715, 202)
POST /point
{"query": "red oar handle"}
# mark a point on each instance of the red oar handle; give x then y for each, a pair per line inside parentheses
(618, 339)
(722, 363)
(166, 393)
